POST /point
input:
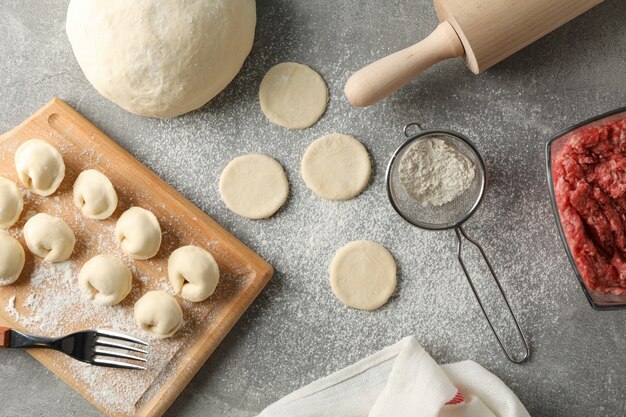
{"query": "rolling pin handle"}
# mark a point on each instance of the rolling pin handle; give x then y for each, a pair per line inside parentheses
(385, 76)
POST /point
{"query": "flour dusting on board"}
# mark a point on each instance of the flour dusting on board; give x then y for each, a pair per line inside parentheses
(47, 300)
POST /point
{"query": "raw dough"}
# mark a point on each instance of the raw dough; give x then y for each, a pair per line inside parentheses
(193, 272)
(11, 203)
(163, 58)
(254, 186)
(158, 314)
(363, 275)
(94, 195)
(336, 167)
(293, 95)
(139, 233)
(39, 166)
(49, 238)
(12, 259)
(105, 280)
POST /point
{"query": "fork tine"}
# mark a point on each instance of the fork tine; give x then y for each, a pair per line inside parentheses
(120, 336)
(102, 352)
(117, 364)
(106, 343)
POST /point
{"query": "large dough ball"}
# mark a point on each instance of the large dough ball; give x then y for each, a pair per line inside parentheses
(164, 58)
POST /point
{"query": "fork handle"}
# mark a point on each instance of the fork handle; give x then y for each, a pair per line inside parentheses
(10, 338)
(5, 337)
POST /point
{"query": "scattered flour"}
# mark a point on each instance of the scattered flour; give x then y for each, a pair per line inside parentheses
(11, 307)
(434, 172)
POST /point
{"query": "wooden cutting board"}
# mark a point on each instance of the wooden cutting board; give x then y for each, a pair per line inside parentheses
(46, 299)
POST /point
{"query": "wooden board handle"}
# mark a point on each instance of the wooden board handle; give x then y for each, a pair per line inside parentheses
(5, 337)
(387, 75)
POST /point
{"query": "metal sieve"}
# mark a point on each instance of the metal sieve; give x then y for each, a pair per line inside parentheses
(451, 215)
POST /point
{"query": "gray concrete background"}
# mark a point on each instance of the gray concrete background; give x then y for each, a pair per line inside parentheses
(297, 331)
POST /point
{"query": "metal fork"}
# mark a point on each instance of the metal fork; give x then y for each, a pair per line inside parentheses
(86, 346)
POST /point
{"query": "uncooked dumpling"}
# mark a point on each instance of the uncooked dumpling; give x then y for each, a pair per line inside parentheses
(49, 237)
(363, 275)
(39, 166)
(254, 186)
(336, 167)
(160, 58)
(11, 203)
(105, 280)
(193, 272)
(12, 259)
(94, 195)
(292, 95)
(139, 233)
(158, 314)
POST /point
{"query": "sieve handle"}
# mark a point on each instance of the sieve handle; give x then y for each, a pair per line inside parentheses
(460, 234)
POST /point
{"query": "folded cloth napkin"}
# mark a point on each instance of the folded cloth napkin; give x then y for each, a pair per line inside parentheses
(402, 380)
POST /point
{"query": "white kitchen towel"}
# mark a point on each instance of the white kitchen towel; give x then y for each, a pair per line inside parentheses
(402, 380)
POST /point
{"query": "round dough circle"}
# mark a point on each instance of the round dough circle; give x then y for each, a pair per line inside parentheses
(11, 203)
(49, 237)
(105, 280)
(363, 275)
(254, 186)
(12, 258)
(292, 95)
(158, 314)
(193, 273)
(39, 166)
(94, 195)
(160, 59)
(139, 233)
(336, 167)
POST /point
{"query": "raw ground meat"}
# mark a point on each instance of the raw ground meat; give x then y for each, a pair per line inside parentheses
(590, 186)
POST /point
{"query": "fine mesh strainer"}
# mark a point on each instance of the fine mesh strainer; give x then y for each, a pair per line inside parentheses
(451, 215)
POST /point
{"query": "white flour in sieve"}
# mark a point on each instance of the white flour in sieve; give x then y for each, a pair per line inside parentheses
(435, 173)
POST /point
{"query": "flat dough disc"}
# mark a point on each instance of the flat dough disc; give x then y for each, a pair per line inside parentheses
(254, 186)
(336, 167)
(293, 95)
(363, 275)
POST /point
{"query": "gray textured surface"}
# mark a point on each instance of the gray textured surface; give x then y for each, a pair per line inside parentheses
(296, 331)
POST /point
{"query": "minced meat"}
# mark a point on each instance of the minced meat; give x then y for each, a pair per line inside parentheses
(590, 187)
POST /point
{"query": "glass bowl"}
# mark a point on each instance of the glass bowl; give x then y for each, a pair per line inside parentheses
(598, 301)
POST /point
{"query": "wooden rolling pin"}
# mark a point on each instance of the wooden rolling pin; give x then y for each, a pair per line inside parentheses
(484, 32)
